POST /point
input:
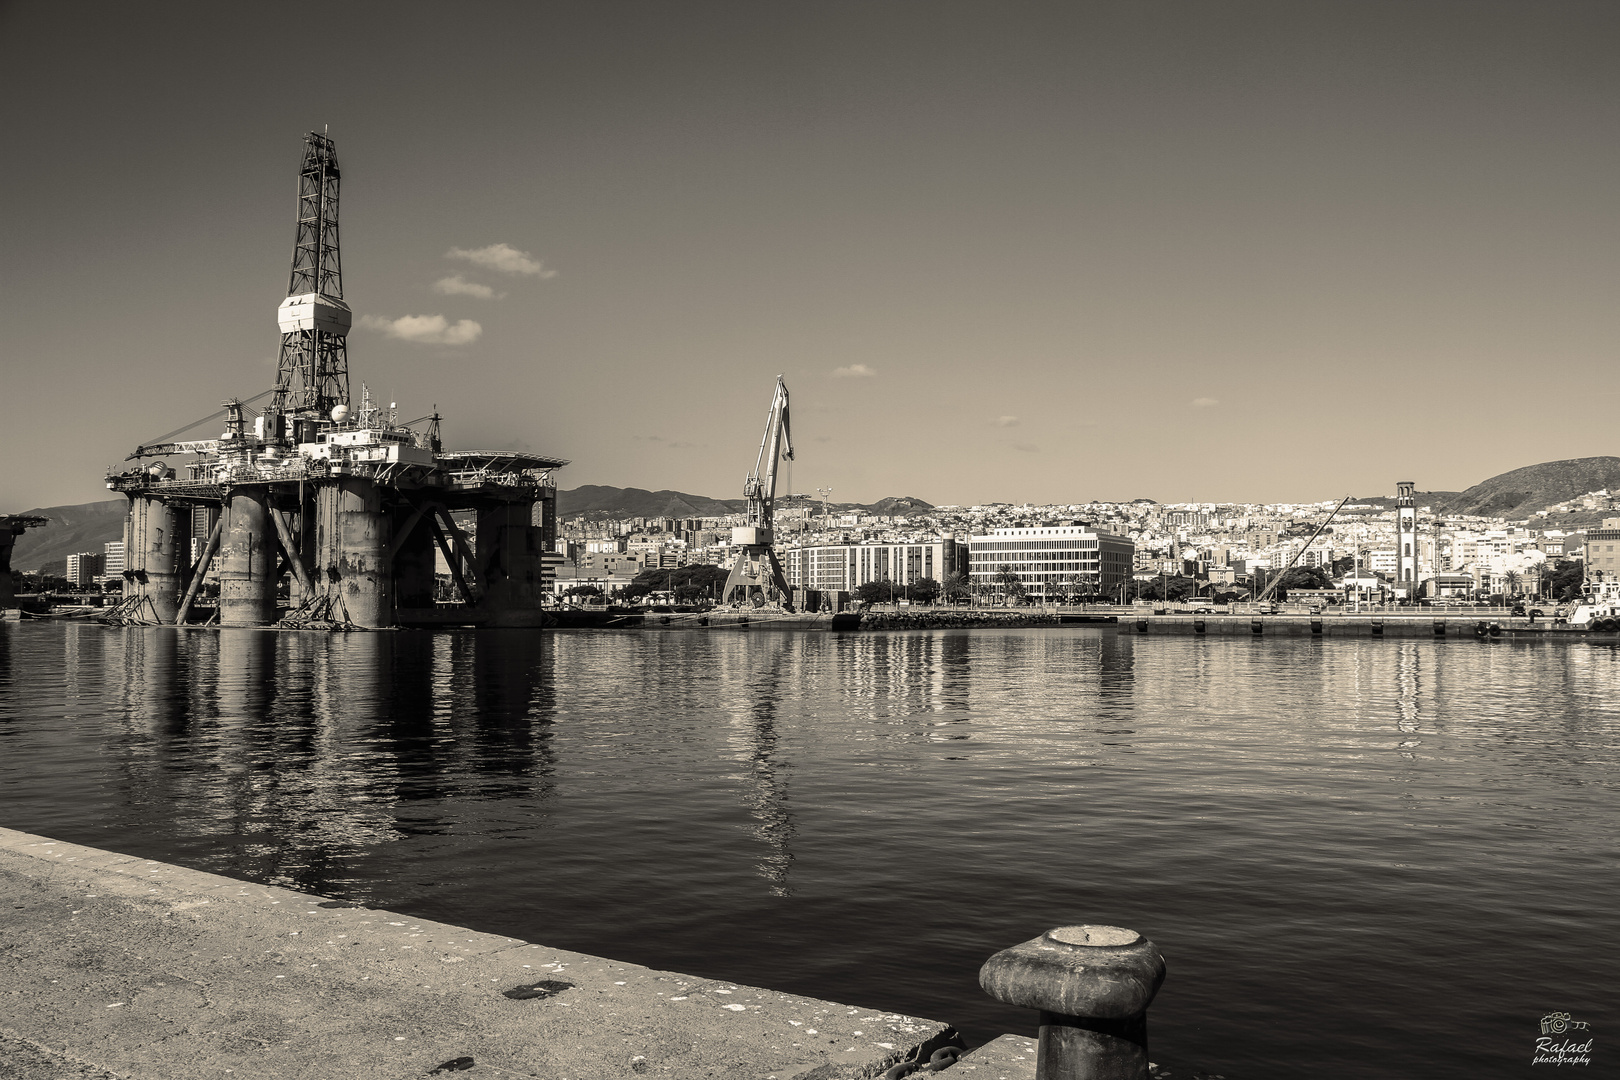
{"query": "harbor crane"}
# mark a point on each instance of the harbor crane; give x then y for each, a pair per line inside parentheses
(756, 577)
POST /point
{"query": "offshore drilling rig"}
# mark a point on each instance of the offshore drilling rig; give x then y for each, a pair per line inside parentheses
(339, 508)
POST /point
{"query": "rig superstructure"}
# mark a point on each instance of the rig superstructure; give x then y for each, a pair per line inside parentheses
(335, 511)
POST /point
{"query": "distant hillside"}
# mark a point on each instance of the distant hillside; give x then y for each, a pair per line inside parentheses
(906, 506)
(73, 529)
(1522, 492)
(612, 502)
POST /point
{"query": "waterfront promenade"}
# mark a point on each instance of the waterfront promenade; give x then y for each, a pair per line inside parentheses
(126, 967)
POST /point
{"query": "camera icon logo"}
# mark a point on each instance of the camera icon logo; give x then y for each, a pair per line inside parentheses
(1555, 1023)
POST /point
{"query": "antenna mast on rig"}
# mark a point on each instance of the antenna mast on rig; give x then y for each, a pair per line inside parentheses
(313, 374)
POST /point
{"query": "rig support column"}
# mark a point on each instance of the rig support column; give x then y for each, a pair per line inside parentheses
(352, 550)
(247, 582)
(510, 564)
(157, 542)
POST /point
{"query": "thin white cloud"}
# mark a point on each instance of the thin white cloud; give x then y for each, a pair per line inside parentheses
(1005, 421)
(853, 371)
(426, 329)
(1204, 403)
(503, 257)
(460, 286)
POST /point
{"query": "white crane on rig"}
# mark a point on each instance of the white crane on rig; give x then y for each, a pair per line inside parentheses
(756, 577)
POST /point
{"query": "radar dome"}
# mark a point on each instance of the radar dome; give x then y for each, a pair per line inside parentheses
(340, 413)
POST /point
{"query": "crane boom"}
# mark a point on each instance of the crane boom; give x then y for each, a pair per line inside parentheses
(756, 576)
(1301, 551)
(760, 487)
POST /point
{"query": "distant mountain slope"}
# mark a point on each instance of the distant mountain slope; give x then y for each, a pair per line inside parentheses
(612, 502)
(1523, 491)
(73, 529)
(905, 506)
(639, 502)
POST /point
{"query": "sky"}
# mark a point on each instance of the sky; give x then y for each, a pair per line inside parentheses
(1006, 251)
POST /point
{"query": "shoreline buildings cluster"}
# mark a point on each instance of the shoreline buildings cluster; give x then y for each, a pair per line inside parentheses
(1391, 549)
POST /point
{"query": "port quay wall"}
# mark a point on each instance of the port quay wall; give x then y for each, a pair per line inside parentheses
(123, 967)
(1454, 627)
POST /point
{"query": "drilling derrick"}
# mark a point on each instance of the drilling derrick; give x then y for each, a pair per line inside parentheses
(323, 514)
(313, 375)
(756, 577)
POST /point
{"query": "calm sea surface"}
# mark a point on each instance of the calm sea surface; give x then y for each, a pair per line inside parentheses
(1360, 858)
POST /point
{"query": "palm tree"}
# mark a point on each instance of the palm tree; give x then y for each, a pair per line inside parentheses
(1008, 581)
(1510, 581)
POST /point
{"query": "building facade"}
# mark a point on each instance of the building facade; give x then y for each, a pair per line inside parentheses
(1054, 560)
(1602, 562)
(112, 560)
(83, 568)
(846, 567)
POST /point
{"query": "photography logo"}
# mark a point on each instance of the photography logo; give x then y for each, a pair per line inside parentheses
(1561, 1041)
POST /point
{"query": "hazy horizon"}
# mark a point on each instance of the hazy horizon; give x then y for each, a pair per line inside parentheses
(1045, 253)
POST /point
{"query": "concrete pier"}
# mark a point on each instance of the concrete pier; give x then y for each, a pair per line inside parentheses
(126, 967)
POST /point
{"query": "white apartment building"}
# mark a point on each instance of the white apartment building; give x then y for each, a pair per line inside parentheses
(112, 559)
(846, 567)
(1051, 560)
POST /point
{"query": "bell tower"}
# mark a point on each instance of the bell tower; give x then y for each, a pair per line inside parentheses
(1406, 537)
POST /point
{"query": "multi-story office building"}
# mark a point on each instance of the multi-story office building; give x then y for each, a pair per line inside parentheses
(846, 567)
(112, 560)
(1602, 563)
(83, 568)
(1053, 560)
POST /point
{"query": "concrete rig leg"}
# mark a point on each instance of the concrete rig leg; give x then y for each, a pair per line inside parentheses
(352, 533)
(247, 584)
(157, 543)
(510, 564)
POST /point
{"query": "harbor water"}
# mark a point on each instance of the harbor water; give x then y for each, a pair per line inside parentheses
(1361, 858)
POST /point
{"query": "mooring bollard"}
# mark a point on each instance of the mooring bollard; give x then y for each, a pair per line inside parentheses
(1092, 985)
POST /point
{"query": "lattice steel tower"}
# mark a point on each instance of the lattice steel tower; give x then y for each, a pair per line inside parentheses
(314, 370)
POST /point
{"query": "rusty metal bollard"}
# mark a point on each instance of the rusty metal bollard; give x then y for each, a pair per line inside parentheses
(1092, 985)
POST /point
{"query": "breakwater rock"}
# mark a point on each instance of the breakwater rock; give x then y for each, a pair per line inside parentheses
(947, 619)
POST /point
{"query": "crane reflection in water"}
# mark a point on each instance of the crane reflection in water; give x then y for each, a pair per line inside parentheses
(754, 741)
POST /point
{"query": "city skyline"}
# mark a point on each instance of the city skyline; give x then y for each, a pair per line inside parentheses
(1024, 253)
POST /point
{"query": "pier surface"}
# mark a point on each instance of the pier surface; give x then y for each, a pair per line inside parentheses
(124, 967)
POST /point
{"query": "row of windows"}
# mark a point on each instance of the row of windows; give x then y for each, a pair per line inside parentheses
(1034, 545)
(1029, 579)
